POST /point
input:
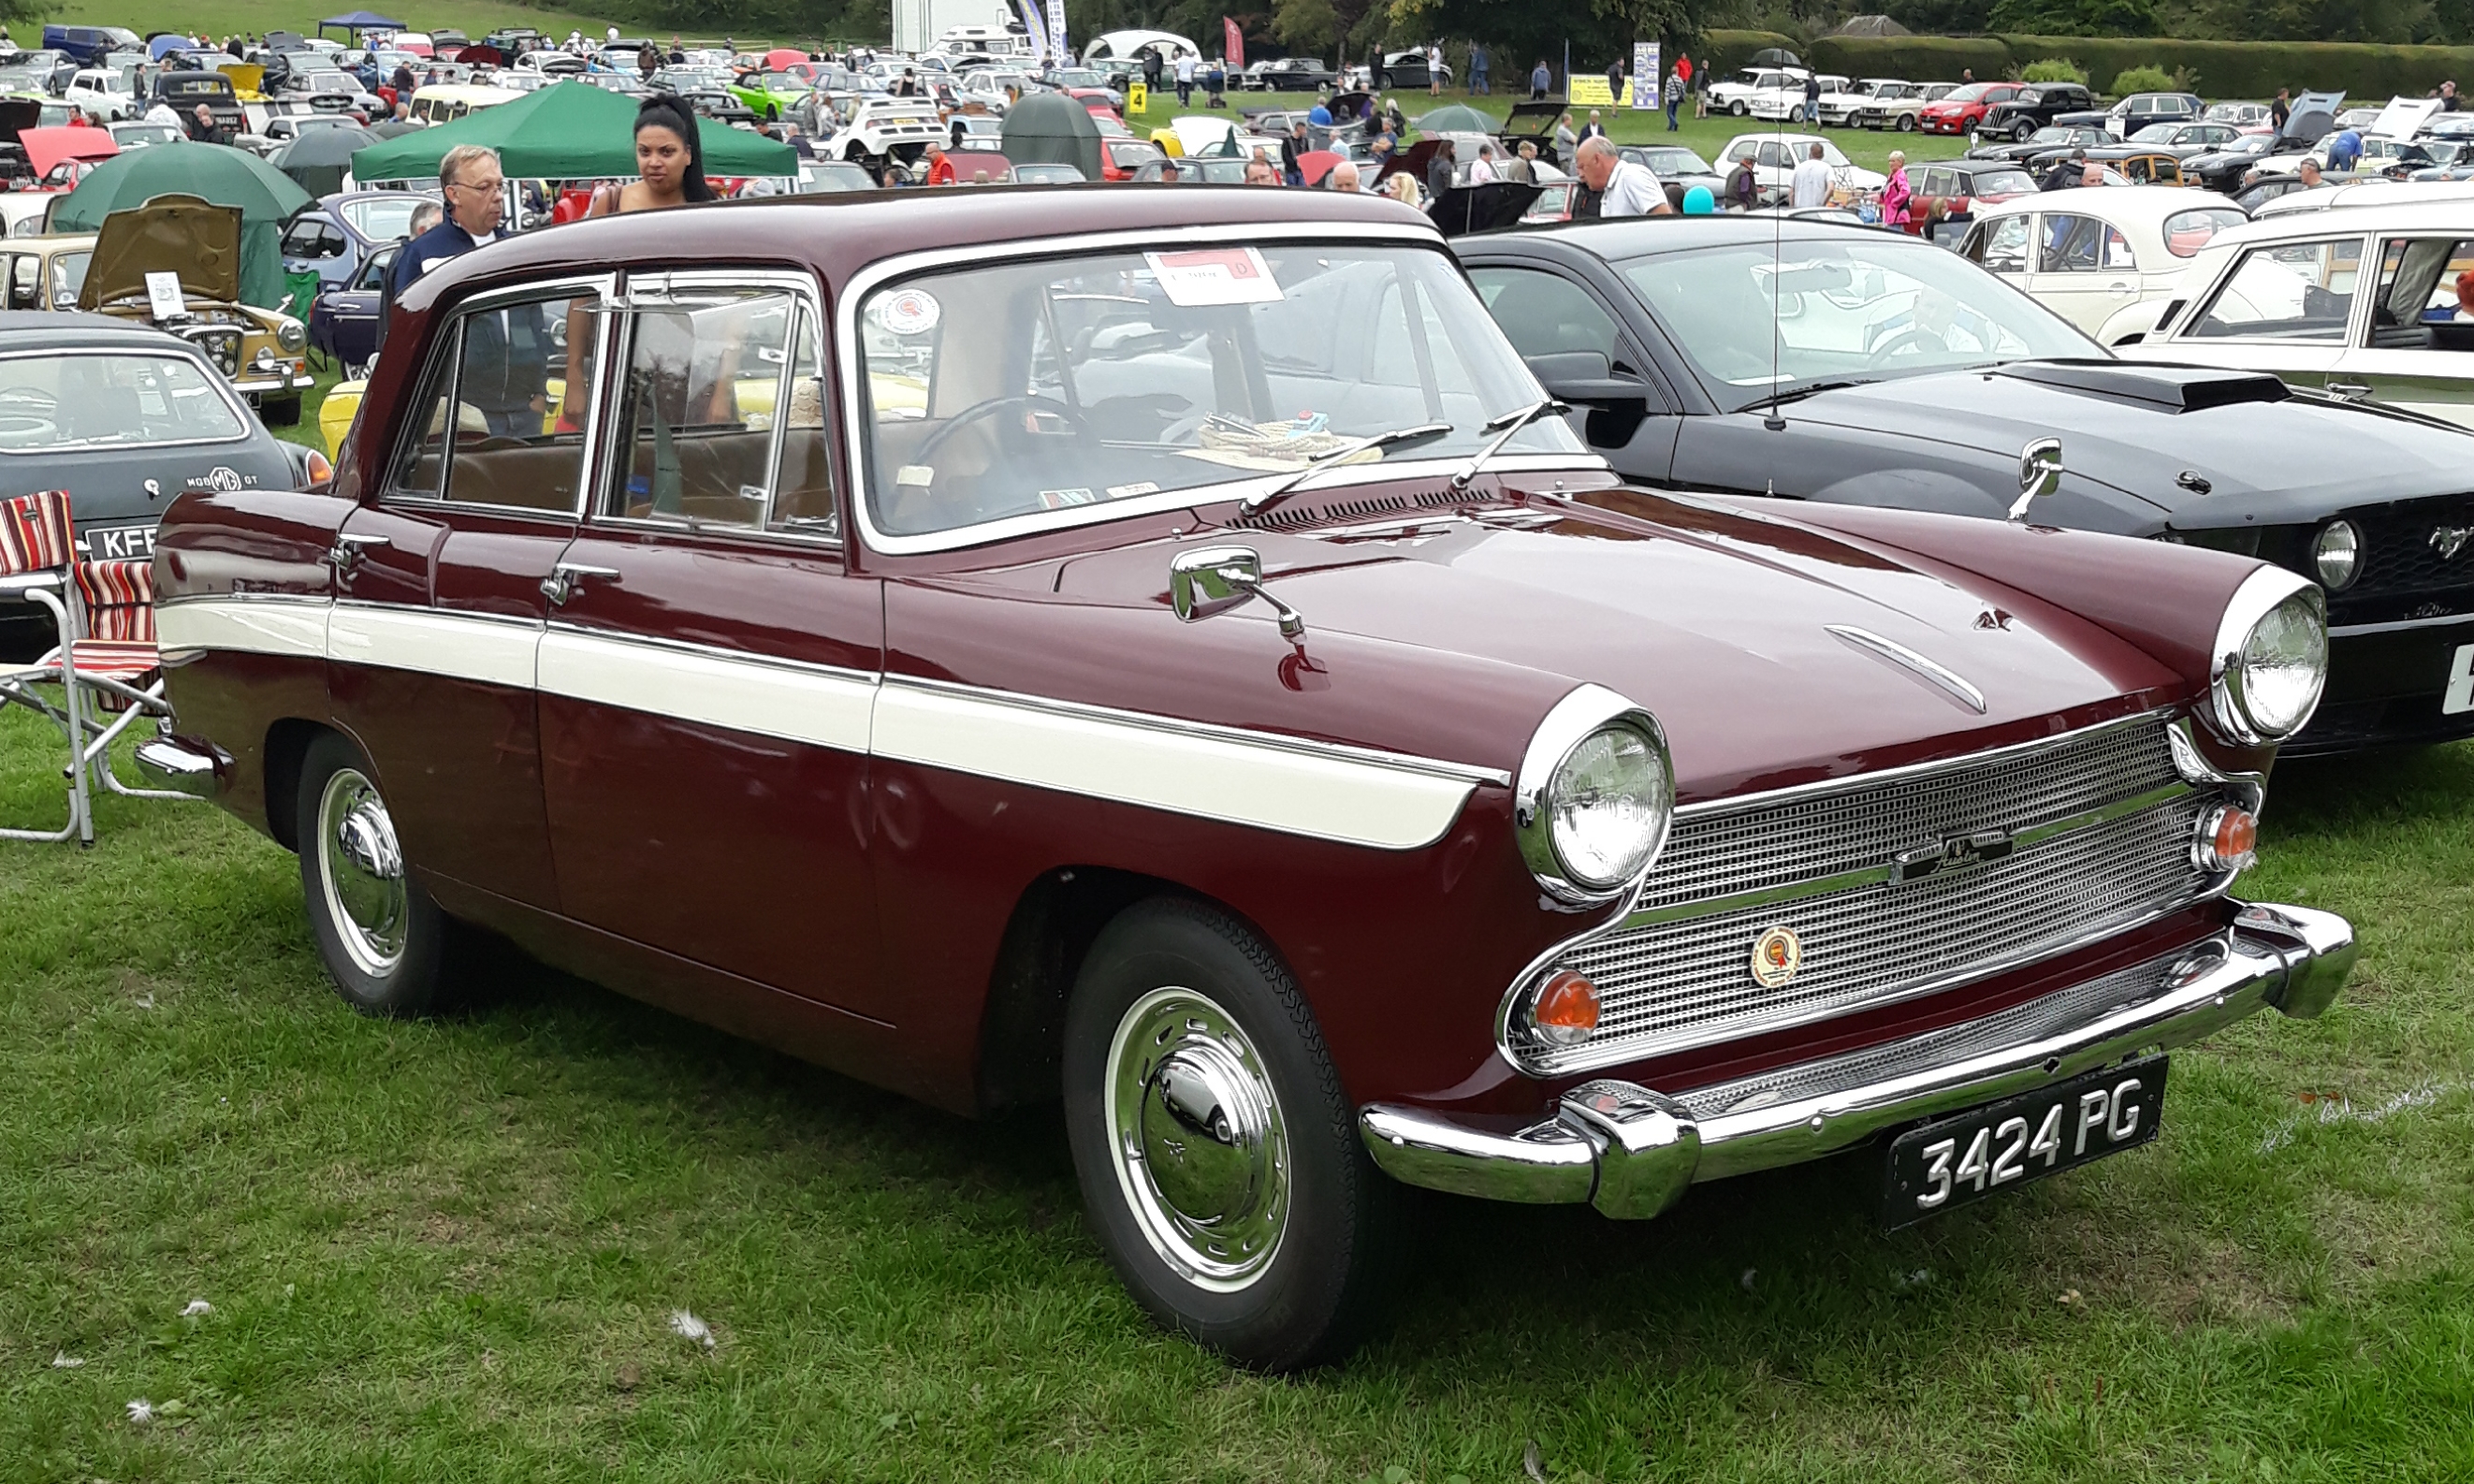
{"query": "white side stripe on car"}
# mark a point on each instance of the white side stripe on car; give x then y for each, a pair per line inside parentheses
(1298, 787)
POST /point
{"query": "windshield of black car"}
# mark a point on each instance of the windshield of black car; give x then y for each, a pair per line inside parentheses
(52, 402)
(1013, 390)
(1860, 309)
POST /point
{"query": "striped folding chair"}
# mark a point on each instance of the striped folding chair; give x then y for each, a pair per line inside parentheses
(106, 663)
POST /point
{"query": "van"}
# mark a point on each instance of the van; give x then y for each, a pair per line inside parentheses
(444, 102)
(90, 43)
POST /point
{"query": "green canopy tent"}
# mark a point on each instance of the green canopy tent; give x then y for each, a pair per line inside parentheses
(220, 174)
(564, 131)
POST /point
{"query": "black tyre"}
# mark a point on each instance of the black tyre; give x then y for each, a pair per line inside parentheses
(1906, 123)
(1219, 1158)
(1383, 82)
(385, 943)
(2025, 132)
(280, 411)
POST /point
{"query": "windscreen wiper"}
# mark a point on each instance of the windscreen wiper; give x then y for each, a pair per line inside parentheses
(1253, 504)
(1506, 428)
(1811, 388)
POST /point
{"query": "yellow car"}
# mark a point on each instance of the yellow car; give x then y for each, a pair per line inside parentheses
(260, 351)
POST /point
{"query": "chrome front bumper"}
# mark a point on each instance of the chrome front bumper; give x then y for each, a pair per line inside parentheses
(183, 766)
(1632, 1151)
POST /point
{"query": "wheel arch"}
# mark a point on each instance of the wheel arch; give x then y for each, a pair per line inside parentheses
(287, 742)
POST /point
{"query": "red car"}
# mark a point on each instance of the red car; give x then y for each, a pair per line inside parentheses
(1962, 110)
(1095, 646)
(1120, 159)
(1097, 101)
(1943, 188)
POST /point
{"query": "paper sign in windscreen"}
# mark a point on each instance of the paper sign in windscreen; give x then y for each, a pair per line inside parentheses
(1214, 275)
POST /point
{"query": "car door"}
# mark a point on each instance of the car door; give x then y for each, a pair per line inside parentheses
(2287, 308)
(1576, 345)
(1935, 190)
(2083, 268)
(436, 632)
(712, 663)
(2416, 348)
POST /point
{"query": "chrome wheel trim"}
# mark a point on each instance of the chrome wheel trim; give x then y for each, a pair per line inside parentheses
(1198, 1141)
(360, 871)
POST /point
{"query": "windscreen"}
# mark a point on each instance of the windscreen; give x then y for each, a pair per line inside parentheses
(1847, 311)
(997, 392)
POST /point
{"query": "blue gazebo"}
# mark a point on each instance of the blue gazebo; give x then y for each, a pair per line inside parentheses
(359, 21)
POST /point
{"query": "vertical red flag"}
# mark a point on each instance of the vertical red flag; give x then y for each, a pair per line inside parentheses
(1235, 44)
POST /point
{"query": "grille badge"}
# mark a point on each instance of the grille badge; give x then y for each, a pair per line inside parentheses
(1777, 954)
(2449, 540)
(1952, 853)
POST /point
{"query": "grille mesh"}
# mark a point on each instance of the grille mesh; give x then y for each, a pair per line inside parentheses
(1669, 985)
(220, 344)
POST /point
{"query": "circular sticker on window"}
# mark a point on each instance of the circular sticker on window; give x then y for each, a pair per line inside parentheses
(908, 311)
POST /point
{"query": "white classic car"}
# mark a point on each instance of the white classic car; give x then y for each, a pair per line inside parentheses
(2285, 295)
(1785, 104)
(1735, 96)
(1774, 155)
(2093, 257)
(1840, 105)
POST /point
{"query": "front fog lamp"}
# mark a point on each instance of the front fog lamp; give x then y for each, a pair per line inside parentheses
(1566, 1011)
(1595, 795)
(2271, 659)
(2337, 555)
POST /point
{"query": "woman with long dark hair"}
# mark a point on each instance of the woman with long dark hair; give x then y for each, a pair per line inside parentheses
(669, 162)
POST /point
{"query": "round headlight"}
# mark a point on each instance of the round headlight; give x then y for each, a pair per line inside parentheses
(290, 335)
(1595, 798)
(2271, 658)
(2337, 555)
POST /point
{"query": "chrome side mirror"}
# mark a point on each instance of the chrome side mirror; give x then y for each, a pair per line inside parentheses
(2040, 473)
(1214, 579)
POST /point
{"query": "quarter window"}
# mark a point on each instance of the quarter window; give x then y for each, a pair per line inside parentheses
(2292, 291)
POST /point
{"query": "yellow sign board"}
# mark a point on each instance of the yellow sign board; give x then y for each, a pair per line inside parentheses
(1138, 98)
(1590, 91)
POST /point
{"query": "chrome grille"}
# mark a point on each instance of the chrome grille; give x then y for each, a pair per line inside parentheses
(2104, 825)
(219, 343)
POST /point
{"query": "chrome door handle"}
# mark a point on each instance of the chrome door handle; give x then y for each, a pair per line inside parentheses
(348, 549)
(2350, 391)
(566, 578)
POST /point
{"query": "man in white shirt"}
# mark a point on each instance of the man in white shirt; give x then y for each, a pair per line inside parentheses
(1624, 187)
(1434, 69)
(1184, 81)
(1811, 185)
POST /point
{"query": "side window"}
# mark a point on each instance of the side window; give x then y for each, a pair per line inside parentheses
(301, 238)
(491, 425)
(695, 433)
(25, 282)
(2424, 282)
(2003, 244)
(1545, 313)
(2292, 291)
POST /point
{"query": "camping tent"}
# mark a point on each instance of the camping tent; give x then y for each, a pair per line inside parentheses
(359, 21)
(218, 172)
(564, 131)
(1133, 43)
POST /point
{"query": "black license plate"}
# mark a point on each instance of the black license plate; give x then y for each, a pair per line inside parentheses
(1963, 1159)
(120, 543)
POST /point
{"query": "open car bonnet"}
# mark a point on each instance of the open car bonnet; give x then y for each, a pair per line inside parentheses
(183, 235)
(48, 147)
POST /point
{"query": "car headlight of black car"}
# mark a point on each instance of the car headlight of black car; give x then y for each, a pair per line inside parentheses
(2271, 659)
(2337, 555)
(1594, 796)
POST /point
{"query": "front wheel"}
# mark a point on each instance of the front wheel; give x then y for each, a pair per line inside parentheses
(1739, 107)
(280, 411)
(1220, 1162)
(1906, 123)
(383, 941)
(2025, 132)
(1383, 82)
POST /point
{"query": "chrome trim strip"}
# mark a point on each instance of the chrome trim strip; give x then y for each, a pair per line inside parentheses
(851, 367)
(1942, 676)
(2397, 626)
(2293, 958)
(1439, 767)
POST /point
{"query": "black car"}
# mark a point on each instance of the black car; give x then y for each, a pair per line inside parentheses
(1289, 75)
(1892, 373)
(184, 91)
(343, 317)
(2140, 110)
(2050, 142)
(1406, 69)
(2019, 119)
(2225, 169)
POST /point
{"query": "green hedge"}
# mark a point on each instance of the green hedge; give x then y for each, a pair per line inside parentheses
(2257, 69)
(1919, 58)
(1722, 51)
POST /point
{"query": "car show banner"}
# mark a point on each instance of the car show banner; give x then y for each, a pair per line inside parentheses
(1037, 25)
(1645, 75)
(1233, 42)
(1056, 32)
(1588, 89)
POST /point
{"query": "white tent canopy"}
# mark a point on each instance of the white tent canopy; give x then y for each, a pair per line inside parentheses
(1133, 43)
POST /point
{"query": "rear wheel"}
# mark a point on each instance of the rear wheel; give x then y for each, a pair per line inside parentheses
(280, 411)
(1906, 123)
(384, 941)
(1218, 1158)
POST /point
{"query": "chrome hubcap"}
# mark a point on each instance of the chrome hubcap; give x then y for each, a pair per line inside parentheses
(1195, 1130)
(362, 870)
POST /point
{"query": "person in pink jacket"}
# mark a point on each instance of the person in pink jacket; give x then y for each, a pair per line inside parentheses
(1894, 196)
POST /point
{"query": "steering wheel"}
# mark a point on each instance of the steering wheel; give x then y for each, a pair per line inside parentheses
(980, 412)
(1909, 336)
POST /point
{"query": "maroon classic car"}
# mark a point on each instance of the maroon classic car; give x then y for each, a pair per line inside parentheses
(1156, 649)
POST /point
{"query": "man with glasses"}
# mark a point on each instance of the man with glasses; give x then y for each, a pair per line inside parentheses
(506, 357)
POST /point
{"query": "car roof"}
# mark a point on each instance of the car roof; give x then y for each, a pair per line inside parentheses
(2371, 205)
(1637, 236)
(38, 330)
(2148, 204)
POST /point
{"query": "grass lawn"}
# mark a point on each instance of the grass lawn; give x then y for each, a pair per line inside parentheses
(451, 1251)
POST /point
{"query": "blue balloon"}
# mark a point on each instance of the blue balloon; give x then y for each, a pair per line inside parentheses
(1698, 202)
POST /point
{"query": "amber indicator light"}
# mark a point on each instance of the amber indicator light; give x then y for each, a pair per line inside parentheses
(1567, 1008)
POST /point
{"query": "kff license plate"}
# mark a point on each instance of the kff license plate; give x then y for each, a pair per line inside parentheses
(1966, 1157)
(120, 543)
